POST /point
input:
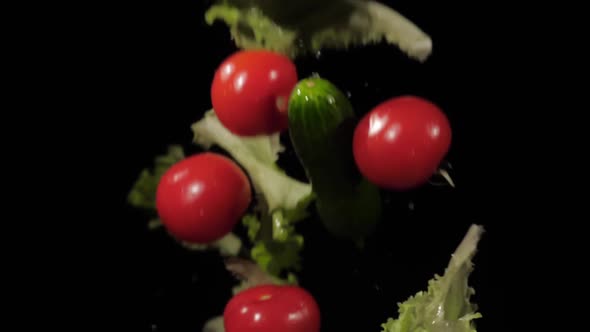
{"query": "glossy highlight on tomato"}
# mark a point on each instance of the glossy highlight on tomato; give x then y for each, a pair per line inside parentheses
(400, 144)
(272, 308)
(250, 92)
(201, 198)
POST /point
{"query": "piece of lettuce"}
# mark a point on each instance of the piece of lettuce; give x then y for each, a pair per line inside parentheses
(302, 27)
(251, 274)
(258, 156)
(446, 306)
(278, 250)
(281, 200)
(143, 192)
(229, 245)
(214, 324)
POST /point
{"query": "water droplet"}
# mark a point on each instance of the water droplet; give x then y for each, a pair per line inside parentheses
(348, 94)
(411, 206)
(318, 54)
(377, 288)
(154, 327)
(331, 100)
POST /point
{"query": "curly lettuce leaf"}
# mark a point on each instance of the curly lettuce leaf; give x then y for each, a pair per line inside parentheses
(281, 200)
(214, 324)
(258, 156)
(445, 306)
(296, 28)
(251, 275)
(229, 245)
(143, 193)
(277, 246)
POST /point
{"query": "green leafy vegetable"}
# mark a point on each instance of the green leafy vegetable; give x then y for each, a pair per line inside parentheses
(143, 192)
(251, 275)
(281, 200)
(258, 155)
(277, 245)
(214, 324)
(277, 254)
(446, 306)
(300, 27)
(228, 245)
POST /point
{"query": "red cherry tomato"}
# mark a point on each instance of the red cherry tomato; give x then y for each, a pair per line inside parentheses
(250, 92)
(201, 198)
(272, 308)
(400, 144)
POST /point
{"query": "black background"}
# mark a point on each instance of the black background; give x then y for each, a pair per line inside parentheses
(160, 65)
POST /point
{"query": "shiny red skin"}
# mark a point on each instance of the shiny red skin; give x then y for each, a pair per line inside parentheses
(201, 198)
(250, 92)
(400, 144)
(272, 308)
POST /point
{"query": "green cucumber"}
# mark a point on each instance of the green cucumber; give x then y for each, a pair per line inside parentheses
(321, 127)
